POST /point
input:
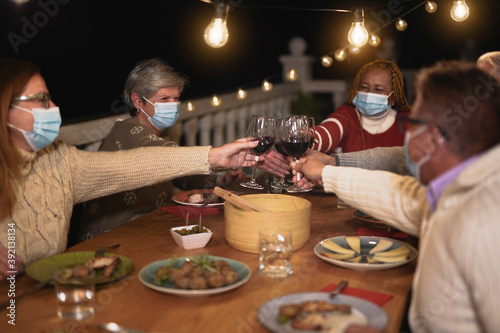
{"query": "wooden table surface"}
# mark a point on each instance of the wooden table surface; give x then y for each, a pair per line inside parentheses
(147, 239)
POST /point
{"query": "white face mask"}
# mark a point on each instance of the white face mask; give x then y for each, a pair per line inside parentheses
(414, 167)
(166, 114)
(371, 104)
(45, 128)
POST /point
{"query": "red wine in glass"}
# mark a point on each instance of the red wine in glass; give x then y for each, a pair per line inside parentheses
(279, 147)
(265, 143)
(296, 147)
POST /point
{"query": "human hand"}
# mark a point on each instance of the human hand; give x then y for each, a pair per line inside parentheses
(233, 176)
(323, 158)
(275, 163)
(310, 168)
(6, 260)
(234, 155)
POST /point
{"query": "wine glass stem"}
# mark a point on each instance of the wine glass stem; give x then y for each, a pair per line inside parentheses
(298, 173)
(255, 167)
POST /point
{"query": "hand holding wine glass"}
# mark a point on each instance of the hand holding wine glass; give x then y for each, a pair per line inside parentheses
(280, 134)
(261, 128)
(297, 142)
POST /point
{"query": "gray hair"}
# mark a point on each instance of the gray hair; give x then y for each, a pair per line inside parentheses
(149, 76)
(490, 60)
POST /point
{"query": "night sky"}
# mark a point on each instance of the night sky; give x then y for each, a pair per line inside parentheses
(86, 48)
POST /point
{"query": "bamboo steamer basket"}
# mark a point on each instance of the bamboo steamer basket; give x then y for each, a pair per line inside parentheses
(286, 211)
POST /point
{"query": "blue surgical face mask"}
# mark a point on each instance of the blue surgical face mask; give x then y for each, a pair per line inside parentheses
(414, 167)
(166, 114)
(45, 128)
(370, 104)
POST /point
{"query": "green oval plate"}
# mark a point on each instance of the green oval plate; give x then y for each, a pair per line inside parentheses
(43, 269)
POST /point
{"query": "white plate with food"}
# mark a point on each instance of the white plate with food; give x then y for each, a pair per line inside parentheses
(316, 312)
(169, 276)
(365, 253)
(203, 197)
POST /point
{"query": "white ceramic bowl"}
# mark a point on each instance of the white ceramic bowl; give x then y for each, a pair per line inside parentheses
(192, 241)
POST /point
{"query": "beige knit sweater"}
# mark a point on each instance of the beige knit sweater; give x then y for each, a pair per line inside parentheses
(59, 176)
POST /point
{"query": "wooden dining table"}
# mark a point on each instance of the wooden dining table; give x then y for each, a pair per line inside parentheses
(147, 239)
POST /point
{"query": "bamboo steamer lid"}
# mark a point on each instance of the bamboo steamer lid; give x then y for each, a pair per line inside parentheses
(286, 211)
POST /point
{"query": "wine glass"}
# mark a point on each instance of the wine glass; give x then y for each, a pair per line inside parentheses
(297, 142)
(261, 128)
(280, 133)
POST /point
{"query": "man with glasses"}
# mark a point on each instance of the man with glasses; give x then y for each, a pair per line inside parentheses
(452, 145)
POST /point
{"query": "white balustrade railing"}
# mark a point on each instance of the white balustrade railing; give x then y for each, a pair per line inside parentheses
(207, 124)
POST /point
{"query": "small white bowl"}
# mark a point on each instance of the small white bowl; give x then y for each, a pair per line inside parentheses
(192, 241)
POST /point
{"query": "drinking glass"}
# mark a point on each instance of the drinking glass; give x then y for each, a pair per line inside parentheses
(75, 294)
(297, 142)
(275, 252)
(261, 128)
(280, 134)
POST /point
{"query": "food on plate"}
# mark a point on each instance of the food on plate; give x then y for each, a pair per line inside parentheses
(200, 272)
(354, 242)
(332, 246)
(319, 316)
(380, 253)
(107, 263)
(202, 198)
(382, 245)
(194, 230)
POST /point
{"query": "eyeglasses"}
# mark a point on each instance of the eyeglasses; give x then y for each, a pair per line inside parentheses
(403, 122)
(43, 97)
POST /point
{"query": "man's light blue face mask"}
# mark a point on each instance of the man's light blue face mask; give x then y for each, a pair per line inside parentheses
(166, 114)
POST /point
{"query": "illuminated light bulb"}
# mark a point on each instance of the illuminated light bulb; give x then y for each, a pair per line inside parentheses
(242, 94)
(374, 40)
(340, 55)
(431, 7)
(460, 11)
(190, 106)
(326, 61)
(401, 25)
(19, 2)
(292, 75)
(267, 86)
(358, 35)
(216, 101)
(216, 33)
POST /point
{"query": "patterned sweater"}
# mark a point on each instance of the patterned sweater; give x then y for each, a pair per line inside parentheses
(345, 131)
(455, 287)
(59, 176)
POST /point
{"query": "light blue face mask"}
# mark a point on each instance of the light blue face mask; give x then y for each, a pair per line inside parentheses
(370, 104)
(45, 128)
(414, 167)
(166, 114)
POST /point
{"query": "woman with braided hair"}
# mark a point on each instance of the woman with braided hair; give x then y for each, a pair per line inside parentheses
(368, 118)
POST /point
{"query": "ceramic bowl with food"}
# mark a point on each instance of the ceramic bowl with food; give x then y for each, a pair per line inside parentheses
(190, 241)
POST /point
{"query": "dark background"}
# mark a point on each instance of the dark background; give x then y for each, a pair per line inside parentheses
(86, 48)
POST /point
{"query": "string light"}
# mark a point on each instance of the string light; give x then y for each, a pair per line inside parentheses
(431, 7)
(292, 75)
(401, 25)
(358, 35)
(326, 61)
(355, 50)
(215, 101)
(460, 11)
(340, 55)
(267, 86)
(374, 40)
(189, 106)
(216, 34)
(242, 94)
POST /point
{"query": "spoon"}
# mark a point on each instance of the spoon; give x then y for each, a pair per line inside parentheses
(337, 290)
